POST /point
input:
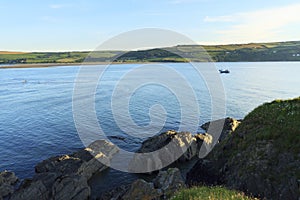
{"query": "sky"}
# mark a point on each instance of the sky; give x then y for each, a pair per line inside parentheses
(74, 25)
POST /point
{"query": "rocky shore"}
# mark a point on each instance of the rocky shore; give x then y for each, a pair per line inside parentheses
(259, 156)
(61, 177)
(66, 176)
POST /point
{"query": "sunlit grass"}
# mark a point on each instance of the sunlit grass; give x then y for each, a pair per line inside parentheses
(210, 193)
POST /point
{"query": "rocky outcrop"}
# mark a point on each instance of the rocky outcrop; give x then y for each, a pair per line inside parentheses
(65, 177)
(228, 125)
(204, 173)
(85, 162)
(141, 189)
(167, 148)
(163, 186)
(169, 182)
(172, 146)
(261, 157)
(7, 181)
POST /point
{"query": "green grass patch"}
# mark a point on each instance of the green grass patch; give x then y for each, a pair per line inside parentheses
(210, 193)
(277, 121)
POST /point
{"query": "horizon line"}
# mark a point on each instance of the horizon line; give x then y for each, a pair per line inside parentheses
(86, 50)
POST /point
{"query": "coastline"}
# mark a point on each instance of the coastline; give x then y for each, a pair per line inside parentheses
(44, 65)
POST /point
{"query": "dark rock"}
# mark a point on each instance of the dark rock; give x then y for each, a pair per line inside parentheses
(70, 187)
(169, 182)
(117, 137)
(7, 181)
(85, 162)
(32, 190)
(141, 189)
(163, 186)
(204, 173)
(261, 157)
(167, 148)
(115, 193)
(65, 177)
(227, 125)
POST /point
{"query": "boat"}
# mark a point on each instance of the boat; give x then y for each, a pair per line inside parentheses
(222, 71)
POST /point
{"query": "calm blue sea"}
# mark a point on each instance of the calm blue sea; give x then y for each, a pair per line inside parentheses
(36, 119)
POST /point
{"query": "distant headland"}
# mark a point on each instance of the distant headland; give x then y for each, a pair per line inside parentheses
(251, 52)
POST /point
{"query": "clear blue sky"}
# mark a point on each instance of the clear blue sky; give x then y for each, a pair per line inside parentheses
(44, 25)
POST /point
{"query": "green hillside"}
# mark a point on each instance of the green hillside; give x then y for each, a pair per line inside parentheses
(261, 157)
(278, 51)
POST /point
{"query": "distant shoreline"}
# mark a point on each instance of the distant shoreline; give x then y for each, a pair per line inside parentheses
(45, 65)
(252, 52)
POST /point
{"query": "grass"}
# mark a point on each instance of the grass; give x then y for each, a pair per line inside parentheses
(277, 121)
(268, 133)
(210, 193)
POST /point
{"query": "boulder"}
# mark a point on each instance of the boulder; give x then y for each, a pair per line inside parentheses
(7, 181)
(65, 177)
(115, 193)
(173, 146)
(227, 125)
(163, 186)
(204, 173)
(141, 189)
(70, 187)
(169, 182)
(85, 162)
(31, 190)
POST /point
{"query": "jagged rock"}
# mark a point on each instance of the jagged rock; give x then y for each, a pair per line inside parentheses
(165, 149)
(141, 189)
(32, 190)
(65, 177)
(7, 181)
(163, 186)
(84, 162)
(227, 125)
(169, 181)
(48, 186)
(204, 173)
(8, 177)
(166, 184)
(71, 187)
(115, 193)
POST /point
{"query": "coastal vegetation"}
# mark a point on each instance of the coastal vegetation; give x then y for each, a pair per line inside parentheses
(210, 193)
(261, 157)
(276, 51)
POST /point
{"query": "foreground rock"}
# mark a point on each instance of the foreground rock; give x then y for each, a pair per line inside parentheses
(226, 126)
(161, 150)
(65, 177)
(7, 181)
(261, 157)
(162, 187)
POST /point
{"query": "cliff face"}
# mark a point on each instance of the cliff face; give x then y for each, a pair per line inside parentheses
(261, 157)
